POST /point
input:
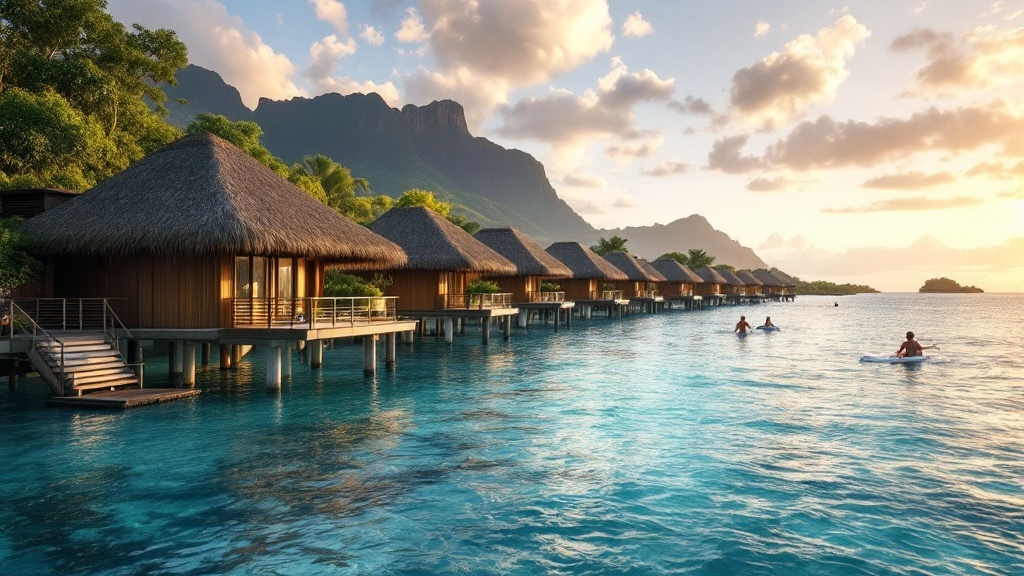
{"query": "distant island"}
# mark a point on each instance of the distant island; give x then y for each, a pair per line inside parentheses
(947, 286)
(825, 288)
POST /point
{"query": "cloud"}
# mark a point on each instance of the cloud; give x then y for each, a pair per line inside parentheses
(583, 204)
(998, 170)
(478, 95)
(769, 184)
(826, 143)
(909, 204)
(910, 180)
(581, 180)
(412, 31)
(625, 202)
(761, 28)
(324, 54)
(523, 43)
(371, 35)
(691, 105)
(345, 85)
(725, 156)
(784, 85)
(631, 151)
(670, 168)
(981, 58)
(636, 27)
(333, 12)
(218, 41)
(563, 117)
(774, 241)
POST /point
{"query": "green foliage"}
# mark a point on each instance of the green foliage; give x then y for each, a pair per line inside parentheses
(427, 199)
(464, 223)
(607, 246)
(74, 82)
(696, 258)
(336, 182)
(732, 269)
(16, 266)
(549, 287)
(480, 286)
(825, 288)
(947, 286)
(243, 134)
(677, 256)
(338, 284)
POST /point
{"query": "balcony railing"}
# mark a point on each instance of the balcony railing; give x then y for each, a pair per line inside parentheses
(74, 314)
(649, 294)
(606, 295)
(477, 301)
(547, 297)
(312, 313)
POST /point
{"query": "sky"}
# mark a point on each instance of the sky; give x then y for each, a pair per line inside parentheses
(871, 142)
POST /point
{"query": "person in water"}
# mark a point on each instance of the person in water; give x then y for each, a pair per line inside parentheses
(912, 347)
(742, 325)
(768, 322)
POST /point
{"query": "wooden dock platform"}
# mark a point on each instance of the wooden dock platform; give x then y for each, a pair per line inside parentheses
(131, 398)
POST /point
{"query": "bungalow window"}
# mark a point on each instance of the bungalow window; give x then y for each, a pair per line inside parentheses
(285, 278)
(250, 277)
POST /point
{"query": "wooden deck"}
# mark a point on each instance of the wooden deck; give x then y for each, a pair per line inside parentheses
(131, 398)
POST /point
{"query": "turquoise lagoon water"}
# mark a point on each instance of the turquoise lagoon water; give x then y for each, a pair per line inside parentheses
(652, 445)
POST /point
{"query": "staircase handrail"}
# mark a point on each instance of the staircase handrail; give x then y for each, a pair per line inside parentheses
(111, 334)
(13, 308)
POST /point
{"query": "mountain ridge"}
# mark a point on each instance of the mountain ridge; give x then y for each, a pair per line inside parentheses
(430, 147)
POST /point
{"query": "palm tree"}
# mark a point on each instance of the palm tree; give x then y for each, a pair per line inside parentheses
(613, 244)
(697, 258)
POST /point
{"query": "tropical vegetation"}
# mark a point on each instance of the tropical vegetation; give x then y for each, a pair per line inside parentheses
(17, 267)
(609, 245)
(694, 258)
(947, 286)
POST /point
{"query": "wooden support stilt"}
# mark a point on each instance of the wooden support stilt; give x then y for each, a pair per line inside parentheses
(370, 355)
(506, 323)
(236, 355)
(462, 326)
(409, 336)
(274, 368)
(170, 359)
(558, 319)
(389, 350)
(286, 361)
(204, 355)
(188, 364)
(522, 318)
(485, 330)
(12, 377)
(179, 356)
(225, 356)
(316, 353)
(449, 330)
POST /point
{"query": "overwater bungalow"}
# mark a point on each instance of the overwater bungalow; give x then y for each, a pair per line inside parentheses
(199, 243)
(788, 284)
(711, 290)
(652, 299)
(735, 289)
(771, 286)
(640, 286)
(753, 285)
(534, 266)
(591, 286)
(679, 282)
(442, 260)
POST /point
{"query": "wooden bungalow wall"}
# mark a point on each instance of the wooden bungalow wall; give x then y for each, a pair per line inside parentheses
(579, 288)
(424, 289)
(706, 289)
(671, 289)
(521, 287)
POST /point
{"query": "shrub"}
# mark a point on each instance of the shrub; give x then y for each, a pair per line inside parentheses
(483, 287)
(549, 287)
(340, 285)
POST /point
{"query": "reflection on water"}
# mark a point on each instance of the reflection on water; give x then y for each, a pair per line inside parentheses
(658, 444)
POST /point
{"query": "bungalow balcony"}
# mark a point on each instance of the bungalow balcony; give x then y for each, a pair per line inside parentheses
(476, 301)
(312, 313)
(544, 297)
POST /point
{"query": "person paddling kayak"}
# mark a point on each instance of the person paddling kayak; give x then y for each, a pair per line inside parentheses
(912, 347)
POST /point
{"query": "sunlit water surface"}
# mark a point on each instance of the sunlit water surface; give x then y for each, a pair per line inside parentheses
(652, 445)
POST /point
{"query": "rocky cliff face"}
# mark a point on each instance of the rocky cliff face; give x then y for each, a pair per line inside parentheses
(430, 147)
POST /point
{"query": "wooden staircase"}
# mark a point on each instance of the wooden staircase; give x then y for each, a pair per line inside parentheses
(90, 363)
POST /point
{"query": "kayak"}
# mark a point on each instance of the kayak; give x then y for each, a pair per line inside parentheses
(894, 359)
(768, 328)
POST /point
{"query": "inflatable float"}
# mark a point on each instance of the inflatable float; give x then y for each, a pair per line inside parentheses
(893, 359)
(768, 328)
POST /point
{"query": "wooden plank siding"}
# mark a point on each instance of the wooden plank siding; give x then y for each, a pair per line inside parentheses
(424, 289)
(521, 287)
(579, 288)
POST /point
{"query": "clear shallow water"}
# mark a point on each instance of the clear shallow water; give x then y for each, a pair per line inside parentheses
(658, 444)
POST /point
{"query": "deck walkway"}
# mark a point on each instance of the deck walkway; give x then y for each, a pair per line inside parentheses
(129, 398)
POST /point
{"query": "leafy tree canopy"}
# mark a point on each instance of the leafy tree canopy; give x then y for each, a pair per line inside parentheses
(694, 258)
(426, 198)
(607, 246)
(948, 286)
(16, 266)
(74, 81)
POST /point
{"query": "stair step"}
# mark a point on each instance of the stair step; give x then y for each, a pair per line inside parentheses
(77, 349)
(88, 360)
(90, 367)
(123, 383)
(68, 357)
(101, 378)
(83, 376)
(70, 342)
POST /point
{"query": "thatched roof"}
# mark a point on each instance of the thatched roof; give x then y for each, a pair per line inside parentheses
(767, 278)
(748, 278)
(730, 277)
(434, 243)
(529, 258)
(710, 275)
(584, 262)
(651, 270)
(673, 271)
(202, 195)
(786, 279)
(628, 264)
